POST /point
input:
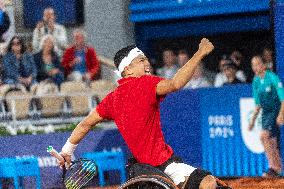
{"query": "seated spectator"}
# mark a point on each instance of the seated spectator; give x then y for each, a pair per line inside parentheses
(19, 66)
(182, 57)
(230, 70)
(237, 58)
(221, 78)
(48, 63)
(198, 79)
(170, 67)
(267, 56)
(80, 61)
(49, 26)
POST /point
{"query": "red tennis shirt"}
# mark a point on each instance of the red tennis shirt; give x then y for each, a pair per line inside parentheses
(134, 107)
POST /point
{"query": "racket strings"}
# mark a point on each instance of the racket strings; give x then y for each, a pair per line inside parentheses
(80, 174)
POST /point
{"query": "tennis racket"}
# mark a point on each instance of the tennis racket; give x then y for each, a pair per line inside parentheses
(79, 174)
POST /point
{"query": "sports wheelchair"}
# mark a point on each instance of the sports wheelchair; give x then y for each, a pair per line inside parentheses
(143, 176)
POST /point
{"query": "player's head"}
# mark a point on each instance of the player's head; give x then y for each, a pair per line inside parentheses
(257, 65)
(130, 61)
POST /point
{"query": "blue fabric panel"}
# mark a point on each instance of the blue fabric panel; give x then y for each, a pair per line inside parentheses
(279, 38)
(144, 11)
(181, 125)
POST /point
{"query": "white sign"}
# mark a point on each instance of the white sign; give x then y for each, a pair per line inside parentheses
(250, 138)
(220, 126)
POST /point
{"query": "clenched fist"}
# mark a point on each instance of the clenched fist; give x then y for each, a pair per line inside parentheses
(205, 46)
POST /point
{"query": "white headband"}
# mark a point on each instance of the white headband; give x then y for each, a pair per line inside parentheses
(127, 60)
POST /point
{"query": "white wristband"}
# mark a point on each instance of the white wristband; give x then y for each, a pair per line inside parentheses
(69, 148)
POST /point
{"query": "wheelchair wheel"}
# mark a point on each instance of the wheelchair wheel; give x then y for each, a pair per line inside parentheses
(149, 182)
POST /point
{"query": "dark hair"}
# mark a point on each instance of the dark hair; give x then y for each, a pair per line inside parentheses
(23, 49)
(230, 64)
(169, 49)
(122, 53)
(183, 51)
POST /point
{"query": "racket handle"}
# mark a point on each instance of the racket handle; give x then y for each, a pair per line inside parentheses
(54, 153)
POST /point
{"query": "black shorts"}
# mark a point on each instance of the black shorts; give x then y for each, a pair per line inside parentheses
(195, 177)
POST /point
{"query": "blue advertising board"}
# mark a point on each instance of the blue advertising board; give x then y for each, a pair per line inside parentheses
(181, 125)
(208, 128)
(228, 148)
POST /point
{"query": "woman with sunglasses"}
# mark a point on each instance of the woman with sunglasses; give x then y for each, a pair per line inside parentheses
(18, 65)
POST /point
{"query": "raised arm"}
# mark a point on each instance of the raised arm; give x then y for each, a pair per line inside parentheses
(78, 134)
(185, 73)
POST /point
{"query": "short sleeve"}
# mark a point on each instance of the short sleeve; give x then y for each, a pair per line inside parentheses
(105, 107)
(149, 84)
(255, 92)
(279, 86)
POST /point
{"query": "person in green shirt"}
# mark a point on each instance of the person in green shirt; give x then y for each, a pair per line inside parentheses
(268, 95)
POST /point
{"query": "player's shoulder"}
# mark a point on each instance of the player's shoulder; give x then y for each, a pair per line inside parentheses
(256, 79)
(272, 75)
(150, 78)
(109, 96)
(268, 72)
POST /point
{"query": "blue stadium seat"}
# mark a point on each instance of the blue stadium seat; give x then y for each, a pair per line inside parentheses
(19, 167)
(108, 161)
(28, 167)
(8, 170)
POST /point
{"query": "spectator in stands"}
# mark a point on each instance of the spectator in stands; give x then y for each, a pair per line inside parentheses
(182, 57)
(221, 78)
(29, 46)
(230, 70)
(47, 62)
(267, 55)
(80, 61)
(49, 26)
(19, 66)
(268, 95)
(237, 57)
(198, 79)
(170, 67)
